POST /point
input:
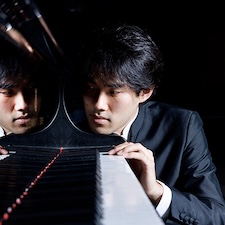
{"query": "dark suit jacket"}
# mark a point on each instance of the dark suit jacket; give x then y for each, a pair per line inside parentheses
(183, 162)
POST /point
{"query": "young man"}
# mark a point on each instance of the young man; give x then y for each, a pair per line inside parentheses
(165, 145)
(20, 94)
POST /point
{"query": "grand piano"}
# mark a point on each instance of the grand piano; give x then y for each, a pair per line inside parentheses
(60, 174)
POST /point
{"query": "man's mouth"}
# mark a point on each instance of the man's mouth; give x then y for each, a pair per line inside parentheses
(99, 119)
(23, 119)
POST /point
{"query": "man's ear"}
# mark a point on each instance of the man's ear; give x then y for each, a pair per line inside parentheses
(145, 94)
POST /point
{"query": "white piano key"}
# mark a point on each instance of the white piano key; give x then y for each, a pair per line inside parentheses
(124, 200)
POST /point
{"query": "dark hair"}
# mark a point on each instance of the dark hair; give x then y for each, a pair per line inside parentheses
(124, 54)
(16, 65)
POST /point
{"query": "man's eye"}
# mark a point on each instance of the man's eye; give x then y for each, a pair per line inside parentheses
(90, 88)
(114, 92)
(7, 93)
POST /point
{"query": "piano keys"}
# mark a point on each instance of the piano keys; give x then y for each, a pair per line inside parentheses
(124, 200)
(71, 186)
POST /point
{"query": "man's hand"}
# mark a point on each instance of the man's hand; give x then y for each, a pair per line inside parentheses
(3, 151)
(142, 163)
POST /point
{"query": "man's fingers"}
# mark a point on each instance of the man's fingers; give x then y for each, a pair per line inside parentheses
(3, 151)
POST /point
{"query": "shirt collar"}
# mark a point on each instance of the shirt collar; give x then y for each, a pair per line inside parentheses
(2, 133)
(127, 128)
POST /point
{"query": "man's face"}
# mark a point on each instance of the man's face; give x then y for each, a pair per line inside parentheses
(19, 107)
(109, 108)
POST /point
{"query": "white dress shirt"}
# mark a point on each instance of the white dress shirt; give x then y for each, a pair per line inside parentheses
(2, 133)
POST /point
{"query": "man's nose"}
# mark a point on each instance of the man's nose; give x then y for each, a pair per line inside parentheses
(20, 101)
(101, 102)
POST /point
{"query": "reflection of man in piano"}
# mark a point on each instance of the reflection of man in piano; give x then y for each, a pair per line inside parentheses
(166, 145)
(19, 92)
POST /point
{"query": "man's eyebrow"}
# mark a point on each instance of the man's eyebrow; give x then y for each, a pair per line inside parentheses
(7, 86)
(114, 85)
(110, 85)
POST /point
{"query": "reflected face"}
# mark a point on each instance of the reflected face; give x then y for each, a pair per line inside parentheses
(19, 107)
(109, 107)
